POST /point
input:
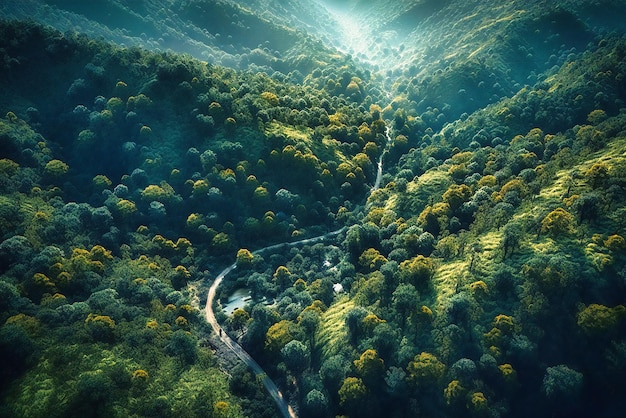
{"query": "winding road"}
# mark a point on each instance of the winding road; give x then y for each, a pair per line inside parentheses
(285, 409)
(283, 406)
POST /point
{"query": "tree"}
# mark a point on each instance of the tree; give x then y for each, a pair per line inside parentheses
(315, 404)
(587, 206)
(221, 409)
(615, 243)
(405, 299)
(425, 371)
(296, 356)
(16, 352)
(352, 394)
(456, 195)
(453, 393)
(309, 320)
(562, 384)
(371, 260)
(333, 372)
(597, 175)
(282, 277)
(416, 271)
(101, 327)
(396, 382)
(477, 404)
(371, 367)
(354, 320)
(278, 335)
(361, 237)
(511, 237)
(239, 319)
(558, 222)
(244, 258)
(598, 319)
(183, 346)
(94, 391)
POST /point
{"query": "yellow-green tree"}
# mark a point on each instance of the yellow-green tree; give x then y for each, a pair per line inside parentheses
(371, 259)
(370, 367)
(558, 222)
(352, 393)
(416, 271)
(278, 335)
(597, 319)
(244, 258)
(425, 370)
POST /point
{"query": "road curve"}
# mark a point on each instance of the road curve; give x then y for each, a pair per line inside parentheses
(283, 406)
(285, 409)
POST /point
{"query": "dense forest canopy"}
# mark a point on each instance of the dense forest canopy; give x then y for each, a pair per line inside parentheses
(462, 164)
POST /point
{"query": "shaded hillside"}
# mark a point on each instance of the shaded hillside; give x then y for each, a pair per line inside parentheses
(127, 174)
(228, 33)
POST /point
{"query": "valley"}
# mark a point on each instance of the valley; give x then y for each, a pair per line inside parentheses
(457, 169)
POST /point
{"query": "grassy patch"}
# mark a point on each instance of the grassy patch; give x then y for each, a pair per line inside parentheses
(421, 191)
(448, 278)
(332, 333)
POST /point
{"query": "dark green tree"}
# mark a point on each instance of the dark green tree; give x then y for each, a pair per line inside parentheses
(296, 356)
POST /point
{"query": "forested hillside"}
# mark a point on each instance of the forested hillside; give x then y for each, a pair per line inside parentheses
(484, 276)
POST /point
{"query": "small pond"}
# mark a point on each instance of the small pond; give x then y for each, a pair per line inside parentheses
(238, 299)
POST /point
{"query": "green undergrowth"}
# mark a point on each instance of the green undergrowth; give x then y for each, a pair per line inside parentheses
(331, 337)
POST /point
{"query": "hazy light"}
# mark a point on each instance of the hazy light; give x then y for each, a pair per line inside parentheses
(355, 38)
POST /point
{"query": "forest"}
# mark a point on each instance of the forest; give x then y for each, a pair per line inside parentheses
(481, 272)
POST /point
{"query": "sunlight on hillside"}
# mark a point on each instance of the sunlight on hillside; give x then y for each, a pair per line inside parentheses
(332, 332)
(355, 35)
